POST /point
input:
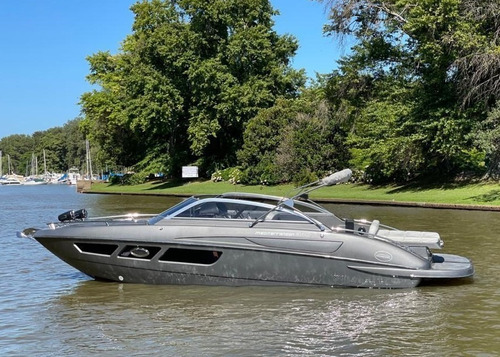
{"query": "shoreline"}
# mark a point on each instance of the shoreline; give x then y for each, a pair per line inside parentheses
(432, 205)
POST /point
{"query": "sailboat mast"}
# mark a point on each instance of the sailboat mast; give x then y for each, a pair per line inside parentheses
(44, 164)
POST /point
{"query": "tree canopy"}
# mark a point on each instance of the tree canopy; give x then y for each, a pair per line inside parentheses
(418, 83)
(295, 140)
(64, 148)
(186, 82)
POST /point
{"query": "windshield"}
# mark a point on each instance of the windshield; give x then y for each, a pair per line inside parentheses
(173, 209)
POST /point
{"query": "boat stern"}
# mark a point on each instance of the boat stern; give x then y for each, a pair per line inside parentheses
(448, 266)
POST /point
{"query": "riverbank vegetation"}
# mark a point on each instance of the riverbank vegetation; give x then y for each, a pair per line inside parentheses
(463, 193)
(210, 83)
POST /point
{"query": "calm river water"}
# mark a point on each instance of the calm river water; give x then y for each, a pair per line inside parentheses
(48, 308)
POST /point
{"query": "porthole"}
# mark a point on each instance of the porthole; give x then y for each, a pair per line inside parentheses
(139, 252)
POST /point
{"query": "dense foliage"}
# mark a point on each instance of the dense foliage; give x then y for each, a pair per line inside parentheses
(64, 148)
(295, 140)
(418, 84)
(186, 82)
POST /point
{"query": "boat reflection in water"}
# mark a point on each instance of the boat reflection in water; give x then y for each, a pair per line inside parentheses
(246, 239)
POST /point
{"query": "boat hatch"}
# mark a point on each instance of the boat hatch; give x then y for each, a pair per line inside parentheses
(193, 256)
(139, 252)
(96, 248)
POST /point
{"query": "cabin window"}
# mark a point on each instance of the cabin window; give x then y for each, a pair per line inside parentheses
(193, 256)
(172, 210)
(96, 248)
(223, 210)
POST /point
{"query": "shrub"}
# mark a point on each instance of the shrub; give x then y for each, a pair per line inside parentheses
(130, 179)
(231, 174)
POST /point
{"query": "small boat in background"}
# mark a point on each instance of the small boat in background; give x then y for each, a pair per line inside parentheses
(32, 181)
(10, 181)
(11, 178)
(73, 175)
(70, 177)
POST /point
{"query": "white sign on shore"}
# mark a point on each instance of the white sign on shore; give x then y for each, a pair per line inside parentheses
(189, 171)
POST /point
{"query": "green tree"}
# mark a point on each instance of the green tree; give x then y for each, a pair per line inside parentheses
(52, 142)
(186, 82)
(488, 140)
(478, 62)
(295, 140)
(262, 137)
(73, 146)
(418, 51)
(64, 147)
(19, 149)
(312, 146)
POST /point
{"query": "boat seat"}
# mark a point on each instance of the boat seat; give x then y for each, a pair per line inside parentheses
(372, 231)
(209, 209)
(223, 210)
(413, 238)
(283, 216)
(213, 209)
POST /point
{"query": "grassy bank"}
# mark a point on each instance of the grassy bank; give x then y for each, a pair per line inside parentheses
(484, 194)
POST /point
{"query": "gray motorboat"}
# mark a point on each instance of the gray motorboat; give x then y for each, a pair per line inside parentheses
(248, 239)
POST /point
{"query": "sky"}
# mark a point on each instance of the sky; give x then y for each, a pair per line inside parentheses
(44, 45)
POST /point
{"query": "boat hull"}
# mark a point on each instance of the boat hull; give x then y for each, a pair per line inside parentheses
(234, 267)
(234, 252)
